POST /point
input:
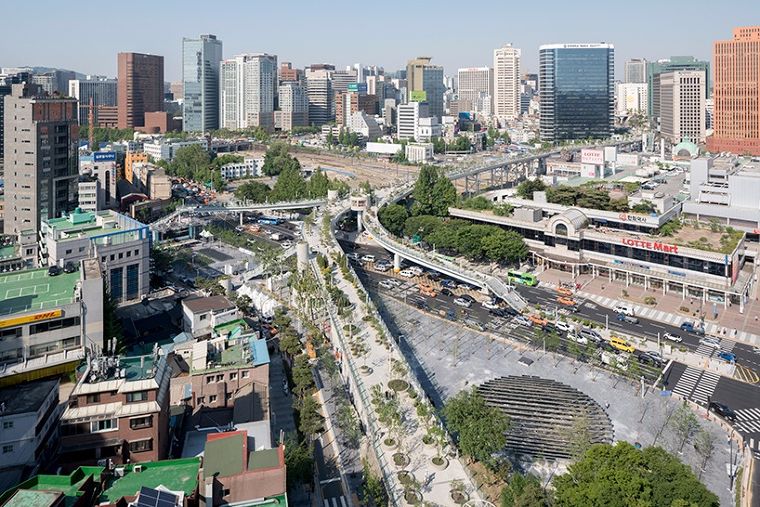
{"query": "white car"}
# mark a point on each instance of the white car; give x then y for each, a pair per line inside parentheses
(578, 338)
(563, 326)
(491, 304)
(624, 309)
(672, 337)
(407, 273)
(353, 256)
(462, 302)
(523, 321)
(387, 284)
(710, 342)
(416, 270)
(368, 258)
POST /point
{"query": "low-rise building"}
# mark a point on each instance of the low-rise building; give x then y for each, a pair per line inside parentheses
(365, 125)
(201, 314)
(90, 193)
(120, 243)
(175, 480)
(166, 149)
(427, 129)
(102, 166)
(152, 181)
(250, 167)
(45, 331)
(78, 489)
(118, 410)
(419, 152)
(29, 416)
(133, 157)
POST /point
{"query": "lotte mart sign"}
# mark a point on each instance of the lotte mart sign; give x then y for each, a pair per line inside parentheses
(650, 245)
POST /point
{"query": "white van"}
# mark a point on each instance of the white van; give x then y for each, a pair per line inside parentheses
(625, 310)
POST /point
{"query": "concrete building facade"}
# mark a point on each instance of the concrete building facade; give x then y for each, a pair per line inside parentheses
(319, 90)
(100, 89)
(654, 69)
(294, 106)
(506, 88)
(140, 87)
(682, 106)
(631, 99)
(635, 71)
(248, 91)
(200, 83)
(425, 84)
(475, 89)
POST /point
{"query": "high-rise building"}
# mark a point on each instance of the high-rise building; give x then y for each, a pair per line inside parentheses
(41, 158)
(5, 89)
(54, 82)
(631, 98)
(577, 91)
(320, 92)
(654, 69)
(200, 83)
(636, 71)
(408, 119)
(425, 84)
(682, 106)
(100, 89)
(249, 88)
(288, 73)
(506, 88)
(475, 89)
(140, 87)
(736, 100)
(294, 106)
(352, 101)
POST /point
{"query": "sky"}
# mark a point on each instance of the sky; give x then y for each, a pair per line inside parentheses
(85, 36)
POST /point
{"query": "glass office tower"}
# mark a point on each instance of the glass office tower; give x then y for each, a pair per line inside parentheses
(577, 91)
(200, 78)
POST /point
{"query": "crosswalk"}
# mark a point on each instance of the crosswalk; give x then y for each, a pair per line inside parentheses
(710, 351)
(697, 385)
(748, 420)
(335, 502)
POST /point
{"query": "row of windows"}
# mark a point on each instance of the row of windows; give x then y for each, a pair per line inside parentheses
(210, 379)
(52, 325)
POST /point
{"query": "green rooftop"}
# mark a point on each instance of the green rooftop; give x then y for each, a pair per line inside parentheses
(176, 475)
(266, 458)
(26, 498)
(230, 326)
(8, 251)
(40, 489)
(34, 289)
(223, 456)
(251, 352)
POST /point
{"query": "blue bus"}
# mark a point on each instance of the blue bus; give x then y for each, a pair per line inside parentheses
(270, 221)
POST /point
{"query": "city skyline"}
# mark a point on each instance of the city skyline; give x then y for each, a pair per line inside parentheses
(405, 37)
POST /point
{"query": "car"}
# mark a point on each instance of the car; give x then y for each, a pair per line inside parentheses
(563, 326)
(497, 312)
(353, 256)
(620, 344)
(564, 291)
(729, 357)
(462, 302)
(627, 318)
(427, 290)
(418, 271)
(54, 271)
(382, 267)
(756, 350)
(407, 273)
(446, 292)
(591, 334)
(466, 286)
(565, 301)
(672, 337)
(448, 283)
(468, 298)
(538, 320)
(386, 284)
(490, 304)
(368, 258)
(523, 321)
(625, 310)
(580, 339)
(710, 342)
(691, 327)
(655, 355)
(433, 275)
(70, 267)
(474, 324)
(417, 301)
(722, 410)
(646, 358)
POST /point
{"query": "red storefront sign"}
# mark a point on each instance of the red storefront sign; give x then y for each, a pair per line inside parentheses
(650, 245)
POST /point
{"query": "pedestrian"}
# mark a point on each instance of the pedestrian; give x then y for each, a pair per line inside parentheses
(607, 404)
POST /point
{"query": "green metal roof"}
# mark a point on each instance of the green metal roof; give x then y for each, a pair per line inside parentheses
(266, 458)
(176, 475)
(224, 456)
(28, 498)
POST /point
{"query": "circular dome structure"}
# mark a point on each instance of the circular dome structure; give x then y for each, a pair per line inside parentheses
(685, 150)
(546, 415)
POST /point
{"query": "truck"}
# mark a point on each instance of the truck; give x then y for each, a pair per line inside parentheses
(276, 236)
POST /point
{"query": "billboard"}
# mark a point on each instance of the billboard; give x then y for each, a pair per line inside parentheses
(104, 156)
(418, 96)
(466, 115)
(35, 317)
(357, 87)
(595, 157)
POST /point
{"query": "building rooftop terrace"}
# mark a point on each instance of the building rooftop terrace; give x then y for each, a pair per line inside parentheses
(176, 475)
(35, 289)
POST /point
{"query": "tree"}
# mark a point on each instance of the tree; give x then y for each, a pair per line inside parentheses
(422, 225)
(578, 434)
(373, 491)
(277, 159)
(253, 191)
(620, 475)
(704, 444)
(393, 217)
(684, 424)
(310, 420)
(302, 376)
(191, 162)
(444, 196)
(299, 461)
(423, 191)
(439, 145)
(290, 344)
(319, 183)
(480, 429)
(524, 491)
(290, 185)
(527, 187)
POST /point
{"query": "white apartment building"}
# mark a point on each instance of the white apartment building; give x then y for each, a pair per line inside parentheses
(365, 125)
(427, 129)
(248, 168)
(102, 166)
(165, 149)
(506, 88)
(682, 106)
(201, 314)
(408, 119)
(419, 152)
(631, 99)
(475, 89)
(294, 106)
(89, 194)
(248, 90)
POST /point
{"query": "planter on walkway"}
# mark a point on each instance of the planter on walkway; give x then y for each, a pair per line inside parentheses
(405, 477)
(458, 497)
(390, 443)
(412, 497)
(398, 384)
(401, 459)
(428, 440)
(439, 462)
(365, 370)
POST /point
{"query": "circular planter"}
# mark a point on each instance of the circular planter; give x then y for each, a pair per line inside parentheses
(400, 459)
(458, 497)
(428, 440)
(390, 443)
(398, 384)
(412, 497)
(365, 370)
(404, 477)
(439, 462)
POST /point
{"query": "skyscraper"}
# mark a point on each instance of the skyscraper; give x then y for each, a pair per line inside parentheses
(475, 89)
(682, 105)
(506, 88)
(654, 69)
(425, 84)
(249, 87)
(41, 157)
(320, 93)
(140, 88)
(100, 89)
(635, 71)
(577, 91)
(200, 82)
(294, 106)
(737, 93)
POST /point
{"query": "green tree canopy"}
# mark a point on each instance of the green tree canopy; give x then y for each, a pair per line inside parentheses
(299, 461)
(524, 491)
(191, 162)
(422, 225)
(290, 185)
(620, 476)
(277, 159)
(319, 184)
(253, 191)
(393, 217)
(433, 192)
(527, 187)
(479, 428)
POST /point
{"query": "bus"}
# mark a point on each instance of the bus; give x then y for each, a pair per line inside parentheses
(523, 278)
(270, 221)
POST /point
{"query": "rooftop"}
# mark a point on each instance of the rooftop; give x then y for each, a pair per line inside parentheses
(34, 289)
(248, 351)
(207, 304)
(40, 489)
(27, 397)
(87, 223)
(175, 475)
(225, 454)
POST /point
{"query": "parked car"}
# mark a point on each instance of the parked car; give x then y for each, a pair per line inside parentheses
(672, 337)
(446, 291)
(468, 298)
(710, 341)
(566, 301)
(646, 358)
(466, 286)
(729, 357)
(416, 270)
(563, 326)
(368, 258)
(386, 284)
(523, 321)
(655, 355)
(54, 271)
(491, 304)
(474, 324)
(625, 310)
(407, 273)
(427, 290)
(580, 339)
(691, 327)
(591, 334)
(70, 267)
(462, 302)
(353, 256)
(497, 312)
(722, 410)
(433, 275)
(621, 344)
(448, 283)
(538, 320)
(627, 318)
(382, 267)
(564, 291)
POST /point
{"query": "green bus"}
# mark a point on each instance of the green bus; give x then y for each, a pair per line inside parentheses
(523, 278)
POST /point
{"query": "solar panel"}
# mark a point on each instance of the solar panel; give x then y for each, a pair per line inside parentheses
(149, 497)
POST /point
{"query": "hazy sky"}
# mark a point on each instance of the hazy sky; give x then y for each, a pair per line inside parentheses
(86, 35)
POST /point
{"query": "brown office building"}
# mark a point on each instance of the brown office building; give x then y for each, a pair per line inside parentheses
(348, 103)
(736, 93)
(288, 73)
(141, 87)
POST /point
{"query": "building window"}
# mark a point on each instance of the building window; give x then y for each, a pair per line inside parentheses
(7, 425)
(116, 283)
(203, 317)
(233, 376)
(104, 425)
(133, 281)
(212, 398)
(7, 449)
(68, 252)
(201, 400)
(220, 378)
(93, 398)
(245, 374)
(137, 396)
(210, 379)
(141, 445)
(141, 422)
